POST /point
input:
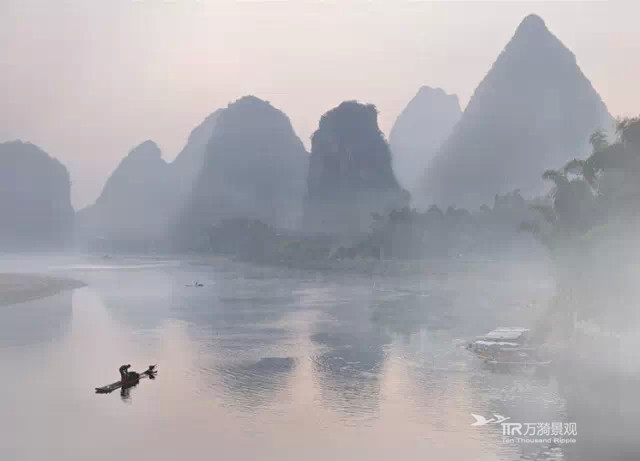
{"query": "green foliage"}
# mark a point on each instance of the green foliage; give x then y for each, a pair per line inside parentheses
(590, 192)
(598, 141)
(590, 223)
(407, 234)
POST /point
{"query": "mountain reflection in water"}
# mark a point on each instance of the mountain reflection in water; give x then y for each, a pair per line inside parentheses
(275, 364)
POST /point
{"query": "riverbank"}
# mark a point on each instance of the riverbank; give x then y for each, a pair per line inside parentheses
(20, 288)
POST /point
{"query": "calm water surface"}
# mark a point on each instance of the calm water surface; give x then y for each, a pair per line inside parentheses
(265, 363)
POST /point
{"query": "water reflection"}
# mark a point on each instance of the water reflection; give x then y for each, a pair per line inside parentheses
(350, 352)
(125, 391)
(35, 322)
(279, 365)
(255, 383)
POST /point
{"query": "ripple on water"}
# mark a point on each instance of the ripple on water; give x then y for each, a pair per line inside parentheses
(254, 383)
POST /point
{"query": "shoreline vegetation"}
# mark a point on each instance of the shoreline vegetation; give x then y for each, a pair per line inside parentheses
(589, 226)
(21, 288)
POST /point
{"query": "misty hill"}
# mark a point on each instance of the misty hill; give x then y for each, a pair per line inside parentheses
(143, 194)
(254, 168)
(420, 130)
(135, 202)
(350, 173)
(534, 109)
(188, 163)
(35, 200)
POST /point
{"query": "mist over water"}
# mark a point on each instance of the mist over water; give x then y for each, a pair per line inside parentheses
(270, 363)
(465, 288)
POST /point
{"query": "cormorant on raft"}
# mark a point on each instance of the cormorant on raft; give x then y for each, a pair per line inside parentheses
(128, 379)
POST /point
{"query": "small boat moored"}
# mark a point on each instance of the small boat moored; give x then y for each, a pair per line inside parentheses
(499, 339)
(508, 349)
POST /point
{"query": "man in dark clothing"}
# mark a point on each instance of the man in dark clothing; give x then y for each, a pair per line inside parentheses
(124, 373)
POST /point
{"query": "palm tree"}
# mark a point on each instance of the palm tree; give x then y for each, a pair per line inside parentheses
(598, 140)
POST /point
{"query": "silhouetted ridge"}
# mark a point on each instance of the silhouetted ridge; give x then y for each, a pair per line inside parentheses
(420, 130)
(188, 163)
(132, 211)
(533, 109)
(254, 168)
(350, 174)
(35, 199)
(142, 196)
(531, 25)
(133, 169)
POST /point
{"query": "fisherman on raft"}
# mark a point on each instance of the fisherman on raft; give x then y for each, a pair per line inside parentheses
(126, 375)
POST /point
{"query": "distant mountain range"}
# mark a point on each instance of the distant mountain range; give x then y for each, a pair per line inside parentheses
(144, 194)
(534, 110)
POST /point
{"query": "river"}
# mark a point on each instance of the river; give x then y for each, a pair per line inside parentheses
(270, 363)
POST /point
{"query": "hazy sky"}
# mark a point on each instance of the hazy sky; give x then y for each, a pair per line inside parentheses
(87, 80)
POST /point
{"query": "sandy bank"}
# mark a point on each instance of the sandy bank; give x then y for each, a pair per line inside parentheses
(20, 288)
